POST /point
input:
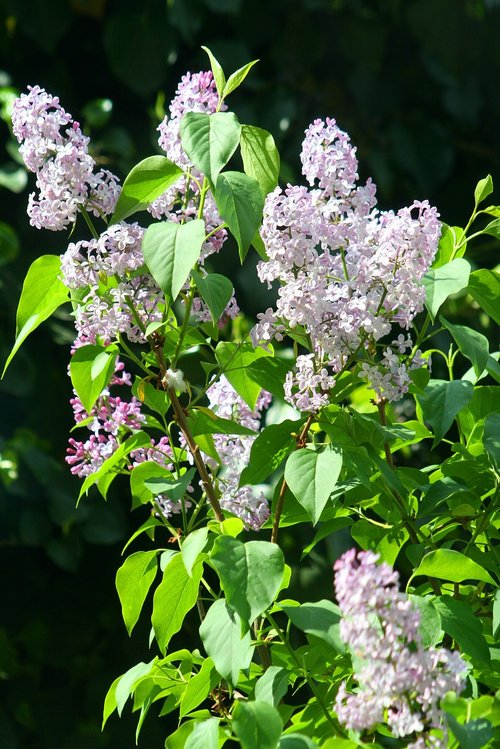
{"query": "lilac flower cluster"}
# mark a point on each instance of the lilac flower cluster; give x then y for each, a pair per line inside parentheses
(54, 147)
(117, 298)
(399, 681)
(234, 451)
(348, 273)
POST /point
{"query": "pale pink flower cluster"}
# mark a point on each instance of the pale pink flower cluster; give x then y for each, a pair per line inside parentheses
(245, 502)
(196, 93)
(117, 296)
(347, 272)
(400, 682)
(54, 147)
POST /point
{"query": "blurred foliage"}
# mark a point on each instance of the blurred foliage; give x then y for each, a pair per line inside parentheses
(414, 82)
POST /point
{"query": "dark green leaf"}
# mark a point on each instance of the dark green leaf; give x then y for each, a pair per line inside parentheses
(257, 725)
(484, 287)
(472, 344)
(234, 360)
(441, 282)
(240, 203)
(133, 581)
(442, 402)
(320, 619)
(471, 735)
(311, 476)
(215, 290)
(210, 140)
(459, 621)
(220, 633)
(174, 597)
(270, 373)
(205, 421)
(42, 293)
(269, 450)
(170, 251)
(491, 436)
(260, 156)
(250, 574)
(272, 685)
(144, 183)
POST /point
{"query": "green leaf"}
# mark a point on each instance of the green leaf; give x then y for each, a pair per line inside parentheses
(109, 702)
(493, 228)
(210, 140)
(205, 421)
(484, 287)
(320, 619)
(140, 474)
(491, 436)
(174, 487)
(240, 203)
(311, 476)
(430, 622)
(205, 735)
(234, 360)
(218, 73)
(146, 181)
(133, 581)
(91, 369)
(9, 244)
(442, 402)
(270, 373)
(483, 188)
(260, 156)
(496, 614)
(451, 565)
(42, 293)
(139, 439)
(220, 633)
(192, 547)
(155, 399)
(125, 685)
(269, 450)
(299, 741)
(236, 79)
(257, 725)
(174, 597)
(250, 574)
(471, 735)
(441, 282)
(215, 290)
(198, 688)
(170, 251)
(459, 621)
(272, 685)
(472, 344)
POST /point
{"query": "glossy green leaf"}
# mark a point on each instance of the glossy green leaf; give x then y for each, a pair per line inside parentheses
(451, 565)
(198, 687)
(484, 287)
(174, 597)
(300, 741)
(133, 581)
(474, 734)
(205, 421)
(271, 447)
(472, 344)
(236, 79)
(140, 474)
(460, 622)
(311, 476)
(210, 140)
(136, 440)
(220, 633)
(257, 725)
(91, 369)
(491, 436)
(125, 684)
(240, 203)
(441, 282)
(42, 293)
(173, 487)
(205, 735)
(270, 373)
(250, 574)
(442, 402)
(234, 360)
(192, 547)
(144, 183)
(215, 290)
(483, 188)
(272, 685)
(320, 619)
(170, 251)
(260, 156)
(493, 228)
(218, 73)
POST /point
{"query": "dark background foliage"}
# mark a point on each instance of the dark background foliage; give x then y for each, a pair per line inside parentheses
(414, 82)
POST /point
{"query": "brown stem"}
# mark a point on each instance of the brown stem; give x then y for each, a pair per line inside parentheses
(301, 441)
